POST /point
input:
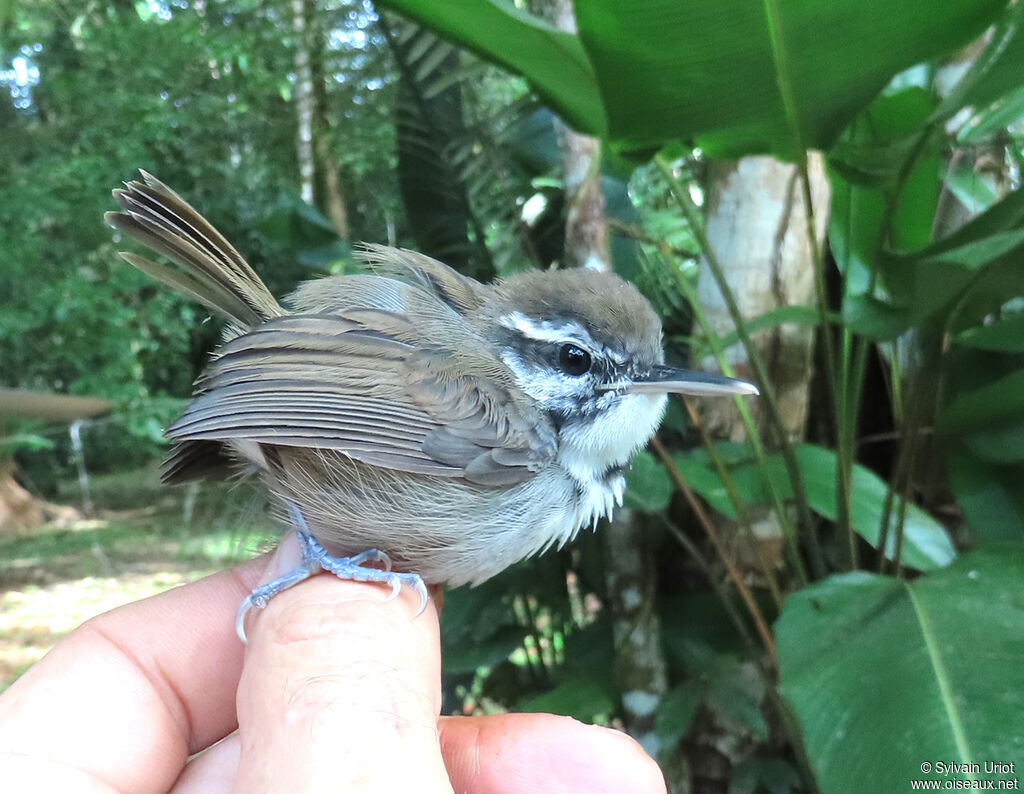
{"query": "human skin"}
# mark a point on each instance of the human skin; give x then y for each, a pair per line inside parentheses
(338, 689)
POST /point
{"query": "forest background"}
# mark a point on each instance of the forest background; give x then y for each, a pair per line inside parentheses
(816, 591)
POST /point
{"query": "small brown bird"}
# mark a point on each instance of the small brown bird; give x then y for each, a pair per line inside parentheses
(415, 417)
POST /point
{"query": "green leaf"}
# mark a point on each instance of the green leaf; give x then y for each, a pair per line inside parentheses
(1000, 443)
(976, 191)
(854, 227)
(699, 475)
(757, 775)
(926, 544)
(995, 71)
(979, 409)
(734, 694)
(983, 255)
(1005, 216)
(783, 315)
(869, 164)
(733, 690)
(699, 619)
(552, 61)
(739, 77)
(977, 253)
(1005, 113)
(873, 318)
(467, 657)
(648, 485)
(990, 496)
(874, 150)
(745, 77)
(675, 713)
(883, 674)
(29, 441)
(901, 209)
(591, 648)
(914, 215)
(583, 696)
(1004, 335)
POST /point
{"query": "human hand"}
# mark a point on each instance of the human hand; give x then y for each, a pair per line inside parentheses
(338, 690)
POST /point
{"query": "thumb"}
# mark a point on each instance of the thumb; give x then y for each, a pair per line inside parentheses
(340, 690)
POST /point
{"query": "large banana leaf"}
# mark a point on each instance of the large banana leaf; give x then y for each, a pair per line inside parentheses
(735, 75)
(890, 677)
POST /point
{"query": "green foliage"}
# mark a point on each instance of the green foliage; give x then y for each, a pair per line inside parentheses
(554, 62)
(586, 696)
(28, 441)
(730, 688)
(761, 78)
(648, 486)
(885, 674)
(772, 775)
(989, 494)
(925, 545)
(584, 685)
(431, 146)
(209, 114)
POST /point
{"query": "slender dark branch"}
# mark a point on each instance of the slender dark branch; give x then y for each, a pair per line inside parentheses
(723, 554)
(634, 232)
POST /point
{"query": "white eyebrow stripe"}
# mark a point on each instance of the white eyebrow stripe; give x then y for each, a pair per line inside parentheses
(548, 332)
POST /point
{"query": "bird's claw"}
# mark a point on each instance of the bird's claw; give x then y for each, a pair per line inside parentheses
(248, 603)
(316, 558)
(415, 581)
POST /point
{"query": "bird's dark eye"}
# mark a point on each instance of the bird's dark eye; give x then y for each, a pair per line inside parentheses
(573, 360)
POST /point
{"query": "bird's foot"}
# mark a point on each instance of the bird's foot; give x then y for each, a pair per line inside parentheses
(315, 558)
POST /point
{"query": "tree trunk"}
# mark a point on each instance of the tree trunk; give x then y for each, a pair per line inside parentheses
(302, 15)
(334, 196)
(640, 668)
(329, 193)
(586, 225)
(757, 229)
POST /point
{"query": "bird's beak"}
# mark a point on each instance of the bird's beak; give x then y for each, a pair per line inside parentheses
(661, 380)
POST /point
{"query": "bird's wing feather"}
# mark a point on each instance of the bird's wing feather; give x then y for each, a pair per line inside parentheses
(361, 381)
(457, 291)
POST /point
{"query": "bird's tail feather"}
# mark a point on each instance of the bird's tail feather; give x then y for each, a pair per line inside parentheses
(212, 271)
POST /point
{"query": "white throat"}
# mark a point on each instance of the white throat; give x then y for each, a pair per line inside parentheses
(593, 453)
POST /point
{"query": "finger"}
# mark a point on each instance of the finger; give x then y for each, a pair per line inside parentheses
(340, 689)
(500, 754)
(525, 753)
(213, 771)
(128, 696)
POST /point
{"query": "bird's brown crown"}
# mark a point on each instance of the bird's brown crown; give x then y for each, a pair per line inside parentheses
(611, 309)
